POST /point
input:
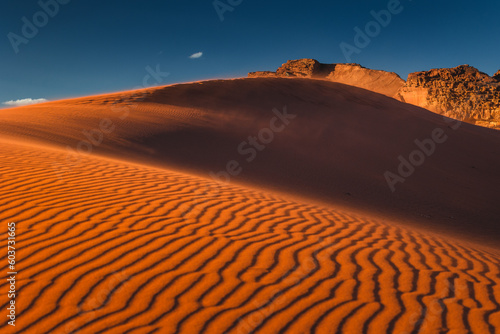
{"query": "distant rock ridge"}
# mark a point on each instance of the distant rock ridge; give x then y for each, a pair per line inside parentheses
(462, 93)
(387, 83)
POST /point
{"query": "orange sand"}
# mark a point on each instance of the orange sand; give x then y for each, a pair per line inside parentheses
(136, 238)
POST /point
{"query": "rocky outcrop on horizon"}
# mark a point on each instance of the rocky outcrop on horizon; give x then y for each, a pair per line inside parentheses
(387, 83)
(497, 75)
(462, 93)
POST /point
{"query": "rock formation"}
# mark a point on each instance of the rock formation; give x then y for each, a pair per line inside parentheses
(387, 83)
(264, 74)
(497, 75)
(382, 82)
(462, 93)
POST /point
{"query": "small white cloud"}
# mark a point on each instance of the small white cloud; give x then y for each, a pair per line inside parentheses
(23, 102)
(196, 55)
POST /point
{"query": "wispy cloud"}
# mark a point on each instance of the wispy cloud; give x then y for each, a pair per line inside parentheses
(23, 102)
(196, 55)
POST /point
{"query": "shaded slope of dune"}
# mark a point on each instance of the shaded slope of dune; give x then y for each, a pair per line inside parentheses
(116, 247)
(336, 149)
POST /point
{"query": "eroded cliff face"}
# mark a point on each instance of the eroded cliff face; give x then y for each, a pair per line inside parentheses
(462, 93)
(387, 83)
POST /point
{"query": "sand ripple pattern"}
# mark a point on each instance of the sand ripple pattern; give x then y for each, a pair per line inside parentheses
(113, 247)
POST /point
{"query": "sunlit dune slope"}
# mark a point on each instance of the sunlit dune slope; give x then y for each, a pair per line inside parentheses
(336, 146)
(117, 247)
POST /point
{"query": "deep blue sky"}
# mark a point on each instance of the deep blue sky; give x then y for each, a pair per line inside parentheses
(101, 46)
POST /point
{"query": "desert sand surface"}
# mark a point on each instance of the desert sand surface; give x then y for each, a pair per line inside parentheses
(137, 237)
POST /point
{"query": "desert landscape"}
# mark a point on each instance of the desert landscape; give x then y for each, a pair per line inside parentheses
(278, 203)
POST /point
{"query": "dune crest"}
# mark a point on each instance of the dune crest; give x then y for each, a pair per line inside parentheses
(463, 93)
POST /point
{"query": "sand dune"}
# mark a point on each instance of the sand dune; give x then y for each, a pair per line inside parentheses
(124, 248)
(137, 238)
(336, 149)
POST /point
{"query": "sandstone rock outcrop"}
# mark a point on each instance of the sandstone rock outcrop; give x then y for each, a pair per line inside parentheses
(306, 68)
(497, 75)
(387, 83)
(260, 74)
(462, 93)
